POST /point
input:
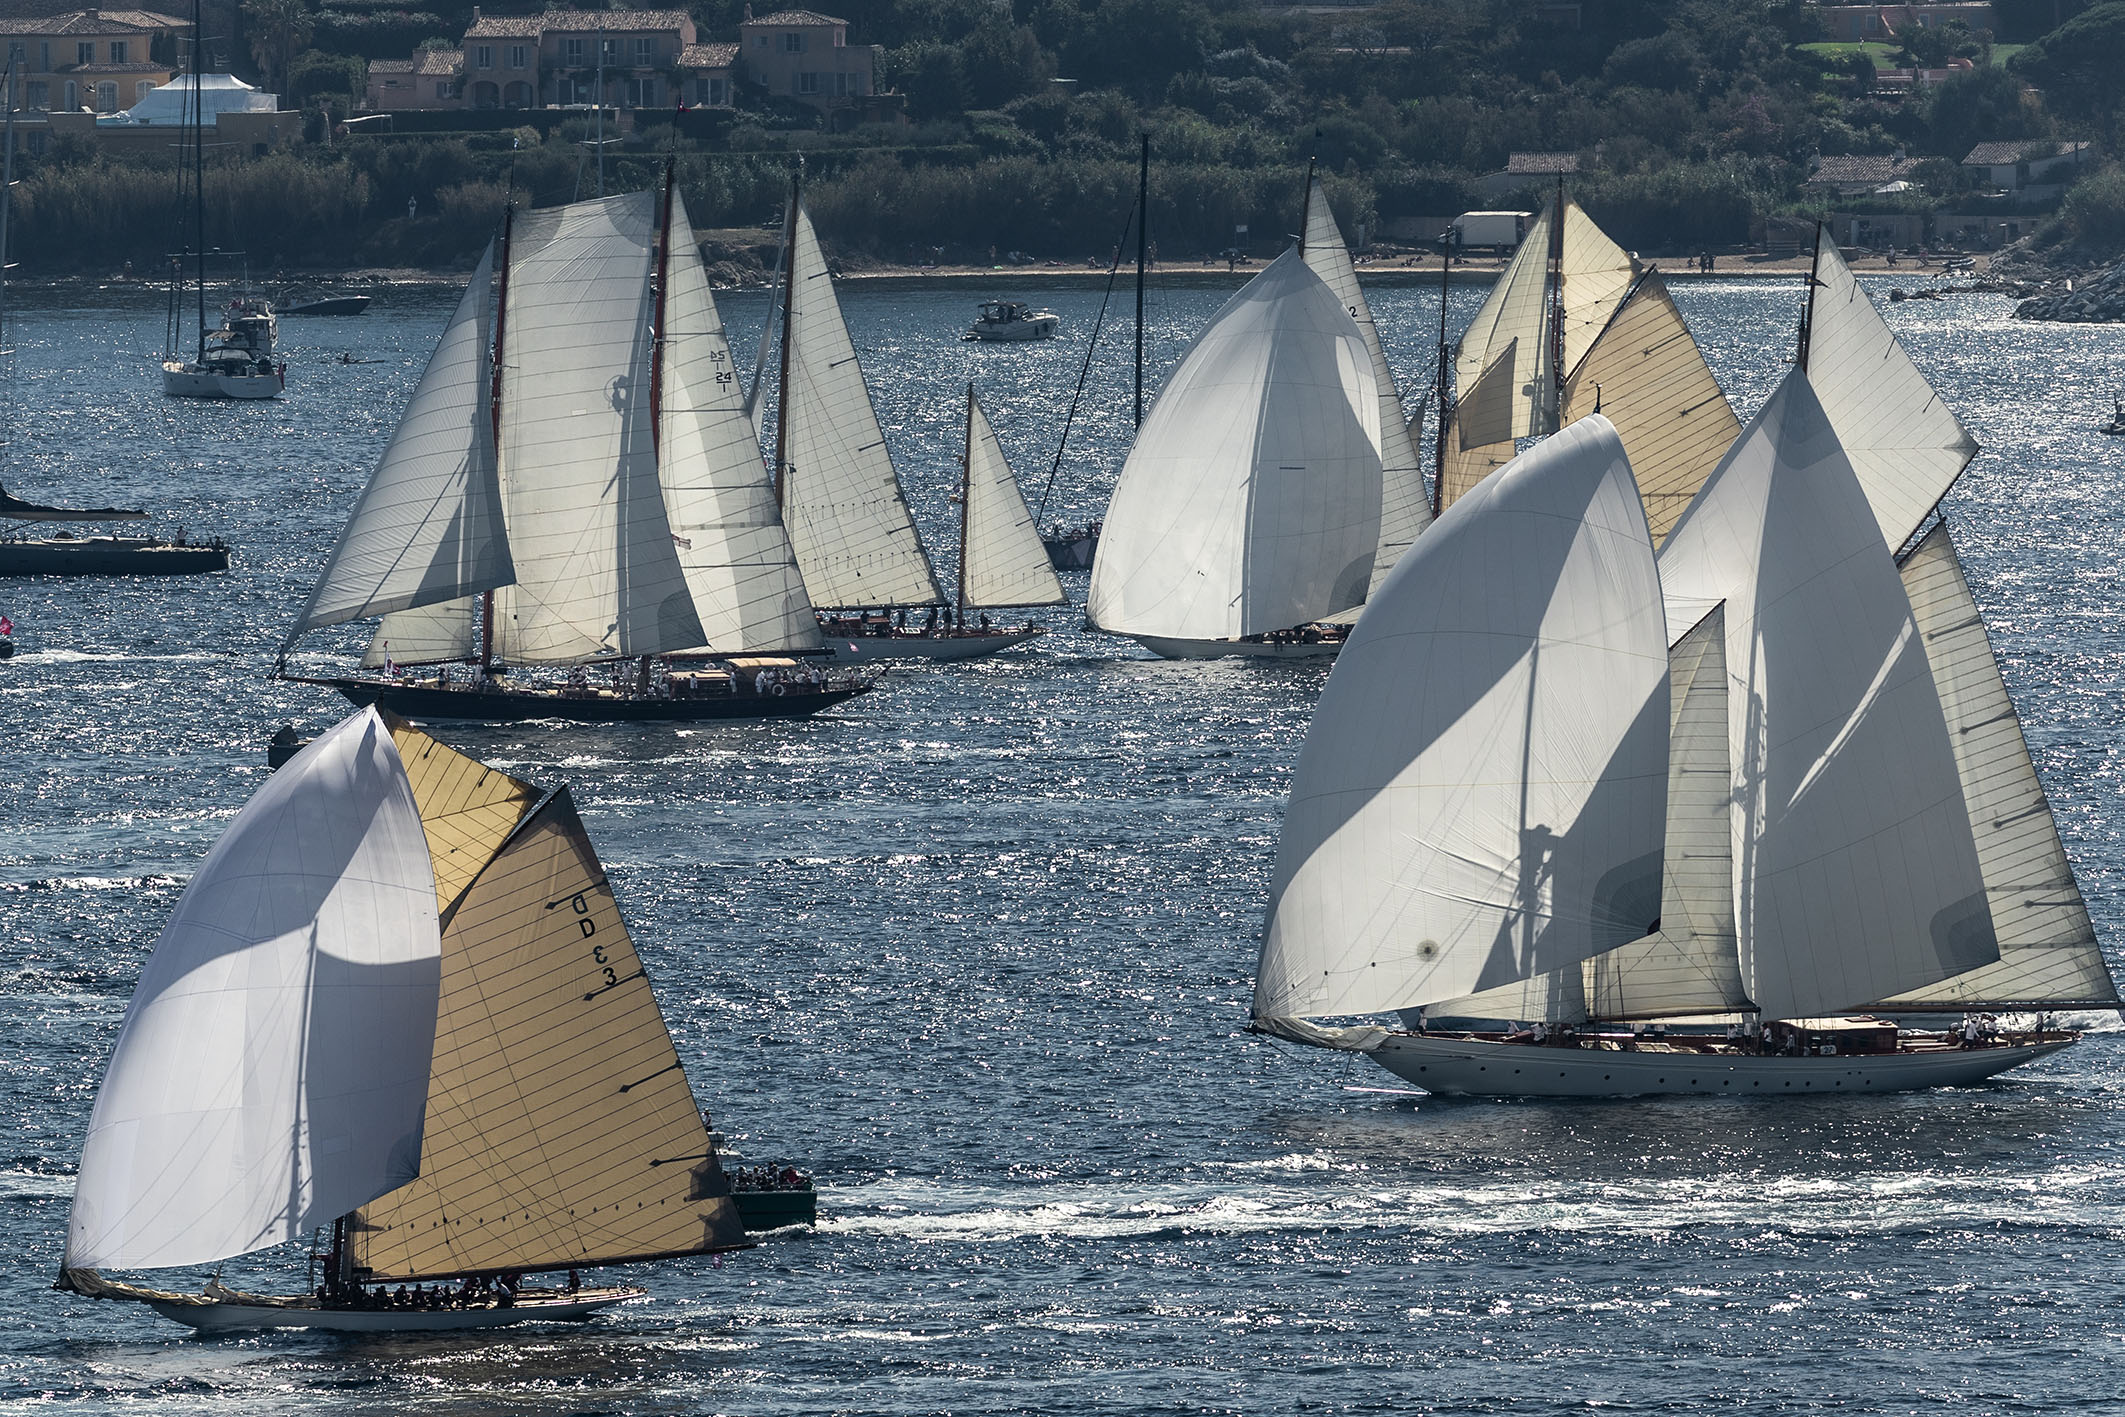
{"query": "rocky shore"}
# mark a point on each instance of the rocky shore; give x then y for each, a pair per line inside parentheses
(2094, 299)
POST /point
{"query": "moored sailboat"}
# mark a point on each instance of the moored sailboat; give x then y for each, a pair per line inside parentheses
(584, 492)
(349, 1023)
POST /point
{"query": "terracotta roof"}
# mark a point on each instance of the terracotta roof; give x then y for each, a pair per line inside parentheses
(1855, 168)
(708, 56)
(795, 17)
(574, 22)
(1541, 164)
(144, 67)
(438, 63)
(390, 66)
(81, 22)
(2000, 154)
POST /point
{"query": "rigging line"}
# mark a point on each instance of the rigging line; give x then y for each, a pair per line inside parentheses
(1085, 370)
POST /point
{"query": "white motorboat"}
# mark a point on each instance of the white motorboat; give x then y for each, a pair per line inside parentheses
(1011, 321)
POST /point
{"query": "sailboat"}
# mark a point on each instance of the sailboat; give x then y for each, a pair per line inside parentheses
(584, 491)
(854, 537)
(1814, 810)
(398, 1001)
(1249, 509)
(236, 360)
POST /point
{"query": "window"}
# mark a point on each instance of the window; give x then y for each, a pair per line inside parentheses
(807, 82)
(715, 92)
(73, 97)
(645, 53)
(142, 89)
(793, 43)
(117, 51)
(18, 52)
(841, 38)
(85, 52)
(641, 93)
(40, 94)
(760, 43)
(519, 57)
(572, 50)
(44, 55)
(106, 98)
(611, 50)
(483, 56)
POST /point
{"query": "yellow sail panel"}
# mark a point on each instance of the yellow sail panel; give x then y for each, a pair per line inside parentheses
(1509, 341)
(560, 1128)
(1647, 376)
(1464, 467)
(467, 808)
(1593, 275)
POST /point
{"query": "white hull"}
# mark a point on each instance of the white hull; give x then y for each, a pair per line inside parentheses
(224, 1316)
(1236, 649)
(1015, 331)
(182, 381)
(1471, 1067)
(851, 649)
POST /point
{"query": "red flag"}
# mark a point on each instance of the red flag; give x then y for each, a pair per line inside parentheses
(7, 626)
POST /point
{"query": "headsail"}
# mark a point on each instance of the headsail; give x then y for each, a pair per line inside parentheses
(1005, 562)
(2048, 949)
(1481, 796)
(596, 569)
(717, 496)
(1506, 349)
(1906, 446)
(1251, 499)
(272, 1070)
(561, 1130)
(1648, 376)
(1404, 509)
(841, 498)
(428, 527)
(1593, 273)
(448, 633)
(1855, 873)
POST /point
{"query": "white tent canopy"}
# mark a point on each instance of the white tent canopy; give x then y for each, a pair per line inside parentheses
(170, 106)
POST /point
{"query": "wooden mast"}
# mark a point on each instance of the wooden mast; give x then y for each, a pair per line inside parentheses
(656, 348)
(1306, 203)
(789, 300)
(1807, 314)
(494, 417)
(966, 504)
(1445, 378)
(1556, 311)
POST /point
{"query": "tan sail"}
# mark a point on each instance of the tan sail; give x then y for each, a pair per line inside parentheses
(1647, 376)
(560, 1128)
(1507, 346)
(1466, 466)
(467, 808)
(1593, 273)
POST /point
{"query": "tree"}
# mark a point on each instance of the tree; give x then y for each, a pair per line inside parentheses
(280, 29)
(2077, 65)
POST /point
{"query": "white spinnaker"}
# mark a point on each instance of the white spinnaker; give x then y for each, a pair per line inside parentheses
(717, 495)
(841, 499)
(1508, 344)
(596, 569)
(1855, 874)
(1688, 966)
(1251, 500)
(448, 633)
(1905, 446)
(2048, 949)
(272, 1070)
(1481, 796)
(1006, 564)
(1404, 509)
(1593, 274)
(428, 527)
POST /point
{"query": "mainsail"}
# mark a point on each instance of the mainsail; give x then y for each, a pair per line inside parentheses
(1906, 446)
(841, 499)
(2048, 951)
(1856, 876)
(1002, 560)
(1481, 797)
(272, 1069)
(1593, 273)
(1404, 509)
(1251, 499)
(1647, 375)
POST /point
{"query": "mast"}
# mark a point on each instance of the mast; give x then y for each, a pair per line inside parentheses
(7, 203)
(199, 177)
(1143, 220)
(789, 300)
(494, 415)
(966, 503)
(1446, 377)
(1306, 202)
(656, 338)
(1807, 314)
(1556, 311)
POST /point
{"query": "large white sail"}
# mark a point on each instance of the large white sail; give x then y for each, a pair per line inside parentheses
(717, 494)
(1905, 445)
(272, 1070)
(1006, 564)
(1593, 273)
(448, 633)
(428, 527)
(1855, 873)
(1251, 499)
(1648, 376)
(1481, 797)
(1507, 349)
(1404, 509)
(2048, 949)
(841, 499)
(597, 571)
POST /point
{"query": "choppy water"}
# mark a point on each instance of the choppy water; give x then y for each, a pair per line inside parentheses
(977, 951)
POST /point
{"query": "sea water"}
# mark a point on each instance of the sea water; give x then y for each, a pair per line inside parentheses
(976, 951)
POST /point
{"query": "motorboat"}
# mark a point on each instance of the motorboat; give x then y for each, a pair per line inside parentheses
(1008, 320)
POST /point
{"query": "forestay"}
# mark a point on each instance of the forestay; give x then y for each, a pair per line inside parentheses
(1480, 799)
(1251, 499)
(596, 569)
(561, 1130)
(1904, 444)
(1648, 376)
(1856, 876)
(841, 498)
(428, 527)
(1506, 349)
(2048, 949)
(1004, 560)
(718, 499)
(272, 1070)
(1404, 509)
